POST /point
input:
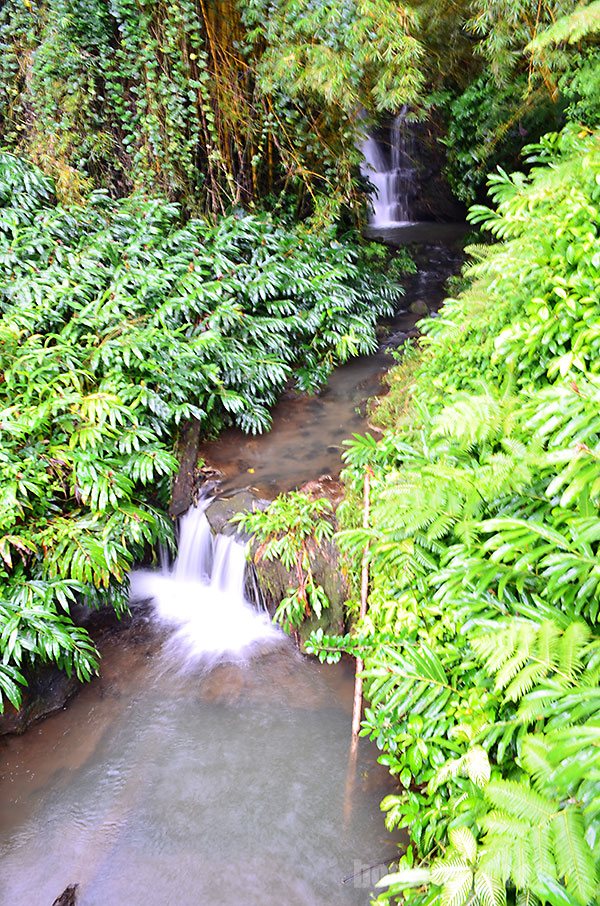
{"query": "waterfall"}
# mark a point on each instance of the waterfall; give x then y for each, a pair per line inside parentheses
(195, 549)
(201, 599)
(389, 167)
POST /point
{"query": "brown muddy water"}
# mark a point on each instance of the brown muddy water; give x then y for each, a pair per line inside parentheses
(231, 786)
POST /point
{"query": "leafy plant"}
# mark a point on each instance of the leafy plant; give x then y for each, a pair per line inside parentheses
(289, 530)
(481, 640)
(119, 322)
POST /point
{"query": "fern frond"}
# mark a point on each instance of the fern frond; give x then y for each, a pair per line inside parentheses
(519, 801)
(489, 890)
(573, 855)
(464, 842)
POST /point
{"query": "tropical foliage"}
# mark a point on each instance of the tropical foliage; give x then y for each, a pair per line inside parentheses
(213, 103)
(526, 80)
(290, 530)
(234, 102)
(119, 322)
(123, 314)
(481, 645)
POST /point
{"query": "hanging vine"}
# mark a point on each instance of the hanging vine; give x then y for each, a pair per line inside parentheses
(187, 99)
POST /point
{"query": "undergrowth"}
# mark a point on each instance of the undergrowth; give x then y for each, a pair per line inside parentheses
(481, 644)
(119, 322)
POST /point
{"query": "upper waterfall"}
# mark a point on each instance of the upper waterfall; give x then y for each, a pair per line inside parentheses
(389, 167)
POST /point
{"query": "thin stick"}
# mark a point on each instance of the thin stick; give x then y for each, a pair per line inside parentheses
(350, 781)
(364, 594)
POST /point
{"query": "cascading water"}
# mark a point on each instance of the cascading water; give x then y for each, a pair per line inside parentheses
(201, 597)
(389, 166)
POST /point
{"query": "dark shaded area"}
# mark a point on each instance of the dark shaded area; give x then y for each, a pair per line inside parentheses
(68, 897)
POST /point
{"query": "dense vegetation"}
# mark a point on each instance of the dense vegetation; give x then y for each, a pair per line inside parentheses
(481, 646)
(213, 103)
(118, 323)
(125, 311)
(217, 103)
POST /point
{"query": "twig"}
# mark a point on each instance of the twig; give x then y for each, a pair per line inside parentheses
(364, 594)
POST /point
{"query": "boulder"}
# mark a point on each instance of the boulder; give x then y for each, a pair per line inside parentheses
(272, 579)
(274, 582)
(325, 486)
(221, 509)
(419, 307)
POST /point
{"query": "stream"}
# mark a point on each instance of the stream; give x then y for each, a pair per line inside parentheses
(306, 440)
(210, 762)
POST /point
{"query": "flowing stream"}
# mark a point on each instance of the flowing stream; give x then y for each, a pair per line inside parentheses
(201, 599)
(195, 771)
(210, 762)
(308, 434)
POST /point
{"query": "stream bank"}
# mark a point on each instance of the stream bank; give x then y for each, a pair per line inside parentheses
(306, 440)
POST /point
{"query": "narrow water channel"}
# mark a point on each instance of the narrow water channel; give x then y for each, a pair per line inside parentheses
(308, 432)
(179, 778)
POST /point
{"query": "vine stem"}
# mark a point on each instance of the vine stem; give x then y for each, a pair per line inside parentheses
(364, 594)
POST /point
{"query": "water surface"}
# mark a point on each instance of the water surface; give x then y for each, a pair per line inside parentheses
(161, 787)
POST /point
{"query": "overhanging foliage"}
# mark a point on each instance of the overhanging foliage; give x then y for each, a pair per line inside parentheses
(481, 646)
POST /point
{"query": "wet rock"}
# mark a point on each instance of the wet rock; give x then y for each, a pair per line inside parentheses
(275, 580)
(272, 578)
(68, 897)
(221, 509)
(419, 307)
(396, 339)
(97, 619)
(48, 690)
(325, 486)
(434, 200)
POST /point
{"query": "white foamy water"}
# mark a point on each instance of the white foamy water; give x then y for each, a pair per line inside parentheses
(390, 169)
(201, 597)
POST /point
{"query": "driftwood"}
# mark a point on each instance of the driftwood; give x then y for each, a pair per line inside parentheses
(68, 897)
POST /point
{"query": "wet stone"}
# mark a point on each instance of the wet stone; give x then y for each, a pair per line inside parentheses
(419, 307)
(221, 509)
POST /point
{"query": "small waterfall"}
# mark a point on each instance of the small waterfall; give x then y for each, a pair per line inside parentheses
(389, 166)
(201, 597)
(195, 549)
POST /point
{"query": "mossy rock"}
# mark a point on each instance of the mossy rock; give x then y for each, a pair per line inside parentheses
(275, 581)
(220, 510)
(272, 578)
